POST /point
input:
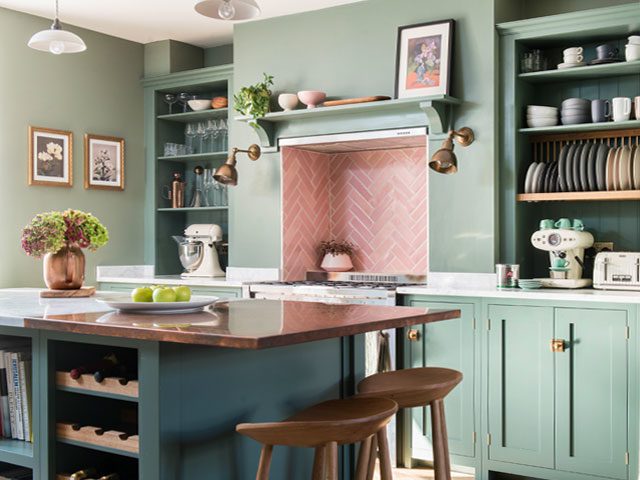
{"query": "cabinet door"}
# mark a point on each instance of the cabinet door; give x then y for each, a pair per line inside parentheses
(520, 385)
(448, 344)
(591, 392)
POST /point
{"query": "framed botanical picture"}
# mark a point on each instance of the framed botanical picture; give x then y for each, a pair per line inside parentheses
(50, 157)
(103, 162)
(423, 62)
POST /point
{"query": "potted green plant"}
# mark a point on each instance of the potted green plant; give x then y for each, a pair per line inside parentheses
(59, 237)
(336, 256)
(254, 99)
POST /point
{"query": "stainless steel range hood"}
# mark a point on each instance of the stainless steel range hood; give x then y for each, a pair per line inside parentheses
(360, 141)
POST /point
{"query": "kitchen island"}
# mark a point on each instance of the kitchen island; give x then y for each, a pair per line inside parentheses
(192, 378)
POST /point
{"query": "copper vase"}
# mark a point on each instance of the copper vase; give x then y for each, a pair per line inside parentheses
(64, 270)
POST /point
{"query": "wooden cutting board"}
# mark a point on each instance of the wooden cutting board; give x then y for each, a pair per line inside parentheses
(350, 101)
(80, 293)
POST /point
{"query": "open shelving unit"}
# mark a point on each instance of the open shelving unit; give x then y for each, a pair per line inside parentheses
(188, 117)
(588, 72)
(194, 157)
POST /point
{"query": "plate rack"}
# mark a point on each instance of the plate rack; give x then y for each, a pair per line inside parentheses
(546, 148)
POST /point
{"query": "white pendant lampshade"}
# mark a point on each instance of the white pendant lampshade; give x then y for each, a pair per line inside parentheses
(228, 9)
(56, 40)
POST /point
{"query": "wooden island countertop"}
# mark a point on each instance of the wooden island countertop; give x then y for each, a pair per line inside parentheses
(242, 324)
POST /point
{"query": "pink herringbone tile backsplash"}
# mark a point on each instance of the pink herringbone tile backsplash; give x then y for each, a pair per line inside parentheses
(375, 199)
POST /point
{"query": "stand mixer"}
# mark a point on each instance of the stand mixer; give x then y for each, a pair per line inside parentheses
(197, 250)
(566, 248)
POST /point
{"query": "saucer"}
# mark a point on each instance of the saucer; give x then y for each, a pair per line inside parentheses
(602, 61)
(570, 65)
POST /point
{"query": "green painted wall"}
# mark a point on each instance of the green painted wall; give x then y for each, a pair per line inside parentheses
(350, 51)
(222, 55)
(97, 91)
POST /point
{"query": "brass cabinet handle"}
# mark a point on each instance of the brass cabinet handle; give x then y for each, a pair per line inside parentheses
(557, 345)
(413, 335)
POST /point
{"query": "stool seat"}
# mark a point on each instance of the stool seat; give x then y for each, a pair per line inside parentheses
(414, 387)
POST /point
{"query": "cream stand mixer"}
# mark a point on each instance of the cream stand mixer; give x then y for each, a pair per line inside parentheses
(566, 248)
(197, 250)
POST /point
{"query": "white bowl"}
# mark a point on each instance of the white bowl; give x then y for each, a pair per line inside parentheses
(288, 101)
(541, 122)
(541, 110)
(634, 40)
(542, 117)
(199, 105)
(576, 103)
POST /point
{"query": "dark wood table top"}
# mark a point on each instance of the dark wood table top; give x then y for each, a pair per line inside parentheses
(244, 324)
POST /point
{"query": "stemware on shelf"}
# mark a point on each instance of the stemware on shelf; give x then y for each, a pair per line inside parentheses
(170, 99)
(207, 188)
(224, 134)
(201, 132)
(184, 100)
(212, 133)
(189, 134)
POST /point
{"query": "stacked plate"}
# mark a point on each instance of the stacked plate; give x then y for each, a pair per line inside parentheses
(529, 284)
(541, 116)
(575, 111)
(542, 177)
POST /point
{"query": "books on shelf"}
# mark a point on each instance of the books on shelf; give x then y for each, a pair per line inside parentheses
(15, 393)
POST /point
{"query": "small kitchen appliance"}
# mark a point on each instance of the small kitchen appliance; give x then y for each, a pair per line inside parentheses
(566, 248)
(617, 271)
(197, 250)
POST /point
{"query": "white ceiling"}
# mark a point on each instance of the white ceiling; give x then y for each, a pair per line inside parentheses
(147, 21)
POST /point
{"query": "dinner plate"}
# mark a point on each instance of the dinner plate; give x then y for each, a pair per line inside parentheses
(613, 171)
(545, 178)
(584, 157)
(568, 168)
(609, 168)
(562, 159)
(591, 168)
(636, 168)
(550, 182)
(601, 166)
(624, 168)
(124, 304)
(575, 168)
(528, 179)
(537, 174)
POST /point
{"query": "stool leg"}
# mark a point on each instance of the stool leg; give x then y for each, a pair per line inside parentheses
(319, 461)
(373, 454)
(383, 452)
(442, 467)
(265, 463)
(332, 461)
(363, 459)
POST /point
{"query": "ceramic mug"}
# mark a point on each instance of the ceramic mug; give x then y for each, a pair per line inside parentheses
(578, 225)
(632, 53)
(600, 111)
(546, 224)
(564, 223)
(621, 109)
(636, 107)
(606, 51)
(576, 50)
(634, 40)
(573, 58)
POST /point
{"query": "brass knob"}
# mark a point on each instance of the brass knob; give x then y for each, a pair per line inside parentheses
(413, 335)
(557, 345)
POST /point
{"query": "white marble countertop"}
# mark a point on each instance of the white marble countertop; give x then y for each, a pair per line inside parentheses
(173, 280)
(483, 286)
(21, 303)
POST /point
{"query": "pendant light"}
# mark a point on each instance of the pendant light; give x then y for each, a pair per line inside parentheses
(56, 40)
(228, 9)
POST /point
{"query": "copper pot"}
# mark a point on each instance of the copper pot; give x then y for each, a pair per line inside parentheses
(64, 270)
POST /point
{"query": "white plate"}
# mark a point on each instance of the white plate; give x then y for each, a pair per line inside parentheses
(562, 66)
(528, 180)
(536, 177)
(124, 304)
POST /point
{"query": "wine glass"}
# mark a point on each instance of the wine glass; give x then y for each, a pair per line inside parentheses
(224, 133)
(201, 131)
(212, 131)
(184, 100)
(170, 99)
(189, 134)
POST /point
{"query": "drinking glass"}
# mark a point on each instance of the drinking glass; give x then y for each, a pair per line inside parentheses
(170, 99)
(224, 134)
(217, 194)
(225, 195)
(190, 134)
(170, 149)
(184, 100)
(212, 132)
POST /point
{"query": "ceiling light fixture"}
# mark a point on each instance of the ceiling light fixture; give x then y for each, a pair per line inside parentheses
(227, 174)
(228, 9)
(56, 40)
(444, 160)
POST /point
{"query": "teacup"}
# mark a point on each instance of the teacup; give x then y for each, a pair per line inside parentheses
(573, 58)
(564, 223)
(621, 109)
(578, 225)
(573, 51)
(546, 224)
(560, 263)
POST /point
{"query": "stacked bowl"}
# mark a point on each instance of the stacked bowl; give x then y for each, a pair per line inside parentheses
(575, 111)
(540, 116)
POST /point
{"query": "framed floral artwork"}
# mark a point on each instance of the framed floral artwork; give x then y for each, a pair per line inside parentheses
(423, 61)
(103, 162)
(50, 157)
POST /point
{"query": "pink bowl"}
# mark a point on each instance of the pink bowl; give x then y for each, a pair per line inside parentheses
(311, 98)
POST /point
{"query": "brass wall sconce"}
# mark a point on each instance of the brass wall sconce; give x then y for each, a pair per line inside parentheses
(444, 160)
(227, 174)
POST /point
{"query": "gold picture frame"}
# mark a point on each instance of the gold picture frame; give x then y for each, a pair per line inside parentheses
(103, 162)
(50, 160)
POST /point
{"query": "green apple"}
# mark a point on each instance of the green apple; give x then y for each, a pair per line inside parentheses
(155, 287)
(142, 294)
(183, 293)
(164, 294)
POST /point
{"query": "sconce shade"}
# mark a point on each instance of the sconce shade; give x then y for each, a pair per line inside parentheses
(227, 174)
(444, 160)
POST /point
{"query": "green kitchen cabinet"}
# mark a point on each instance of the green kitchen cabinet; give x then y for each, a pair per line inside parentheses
(449, 344)
(520, 390)
(591, 391)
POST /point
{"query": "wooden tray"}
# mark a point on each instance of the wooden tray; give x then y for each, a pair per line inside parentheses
(351, 101)
(99, 437)
(80, 293)
(110, 385)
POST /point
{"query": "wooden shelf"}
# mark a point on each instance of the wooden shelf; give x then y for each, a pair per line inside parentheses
(582, 73)
(195, 116)
(97, 439)
(195, 157)
(194, 209)
(16, 452)
(583, 127)
(108, 388)
(625, 195)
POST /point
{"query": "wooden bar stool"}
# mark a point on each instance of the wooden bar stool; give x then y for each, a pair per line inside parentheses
(414, 387)
(323, 426)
